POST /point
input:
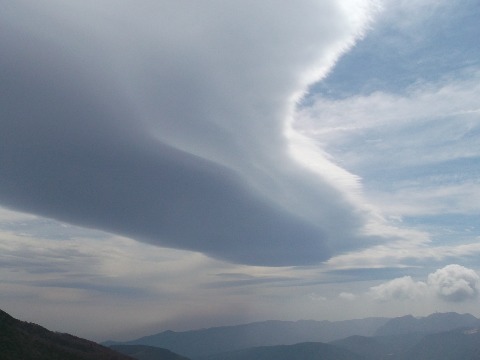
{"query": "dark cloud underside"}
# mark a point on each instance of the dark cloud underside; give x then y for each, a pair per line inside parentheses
(165, 129)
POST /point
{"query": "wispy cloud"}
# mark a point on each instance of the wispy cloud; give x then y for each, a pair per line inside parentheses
(417, 159)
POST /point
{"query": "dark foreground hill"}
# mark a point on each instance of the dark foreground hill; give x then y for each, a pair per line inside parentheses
(143, 352)
(204, 342)
(303, 351)
(20, 340)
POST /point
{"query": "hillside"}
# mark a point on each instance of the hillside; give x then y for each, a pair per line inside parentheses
(20, 340)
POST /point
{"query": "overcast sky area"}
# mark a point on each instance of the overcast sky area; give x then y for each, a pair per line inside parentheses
(186, 164)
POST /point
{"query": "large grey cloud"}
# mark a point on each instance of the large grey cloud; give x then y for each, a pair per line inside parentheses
(165, 120)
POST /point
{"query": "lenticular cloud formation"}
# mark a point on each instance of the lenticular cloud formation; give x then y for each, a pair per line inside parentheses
(165, 121)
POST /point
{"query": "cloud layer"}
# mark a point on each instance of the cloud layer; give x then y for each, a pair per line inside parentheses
(164, 121)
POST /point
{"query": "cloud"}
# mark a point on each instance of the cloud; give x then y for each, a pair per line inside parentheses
(384, 129)
(416, 155)
(398, 254)
(452, 283)
(317, 297)
(108, 274)
(347, 296)
(404, 288)
(165, 121)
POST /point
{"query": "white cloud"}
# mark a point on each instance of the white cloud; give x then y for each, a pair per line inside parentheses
(347, 296)
(399, 253)
(455, 283)
(382, 129)
(404, 288)
(416, 154)
(452, 283)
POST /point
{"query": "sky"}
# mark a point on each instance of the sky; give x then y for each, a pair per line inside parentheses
(185, 164)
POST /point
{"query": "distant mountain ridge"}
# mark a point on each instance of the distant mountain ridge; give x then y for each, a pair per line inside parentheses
(144, 352)
(379, 347)
(437, 322)
(370, 338)
(460, 344)
(439, 336)
(214, 340)
(302, 351)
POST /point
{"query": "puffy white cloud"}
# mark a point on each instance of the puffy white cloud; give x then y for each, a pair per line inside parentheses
(404, 288)
(454, 283)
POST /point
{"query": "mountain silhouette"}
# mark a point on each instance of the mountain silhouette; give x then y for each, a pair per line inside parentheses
(440, 336)
(143, 352)
(302, 351)
(216, 340)
(460, 344)
(433, 323)
(21, 340)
